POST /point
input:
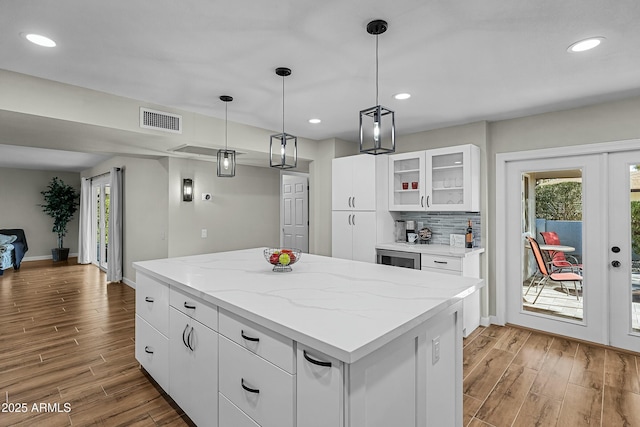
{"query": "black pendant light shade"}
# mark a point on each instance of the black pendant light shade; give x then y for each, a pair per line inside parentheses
(226, 157)
(377, 124)
(283, 147)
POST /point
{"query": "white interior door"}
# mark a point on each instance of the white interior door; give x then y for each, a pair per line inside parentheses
(563, 308)
(624, 249)
(295, 212)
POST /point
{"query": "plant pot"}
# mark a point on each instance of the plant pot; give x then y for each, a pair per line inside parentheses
(60, 254)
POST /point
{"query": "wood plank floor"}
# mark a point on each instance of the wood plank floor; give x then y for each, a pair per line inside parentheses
(66, 339)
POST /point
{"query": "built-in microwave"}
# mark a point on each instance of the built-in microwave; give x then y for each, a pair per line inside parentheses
(398, 258)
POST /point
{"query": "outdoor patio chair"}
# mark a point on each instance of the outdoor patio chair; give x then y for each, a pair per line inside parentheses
(544, 270)
(559, 259)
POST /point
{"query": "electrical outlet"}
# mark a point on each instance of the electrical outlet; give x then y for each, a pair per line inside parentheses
(203, 233)
(435, 347)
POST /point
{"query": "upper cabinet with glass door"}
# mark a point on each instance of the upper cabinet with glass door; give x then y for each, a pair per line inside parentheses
(407, 182)
(447, 179)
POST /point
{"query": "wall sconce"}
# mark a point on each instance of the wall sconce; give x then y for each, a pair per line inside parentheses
(187, 190)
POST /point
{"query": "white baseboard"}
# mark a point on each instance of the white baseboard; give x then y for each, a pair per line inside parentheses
(494, 321)
(44, 257)
(129, 282)
(485, 321)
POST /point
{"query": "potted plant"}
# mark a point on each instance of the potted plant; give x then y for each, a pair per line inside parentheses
(60, 202)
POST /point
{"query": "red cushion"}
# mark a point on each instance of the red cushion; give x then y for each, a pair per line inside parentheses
(565, 277)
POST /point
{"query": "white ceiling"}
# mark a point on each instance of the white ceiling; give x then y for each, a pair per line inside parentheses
(461, 60)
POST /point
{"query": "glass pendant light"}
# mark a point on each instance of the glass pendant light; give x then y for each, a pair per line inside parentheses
(377, 124)
(283, 147)
(226, 157)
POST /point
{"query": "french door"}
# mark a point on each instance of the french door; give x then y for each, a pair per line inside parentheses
(595, 210)
(100, 195)
(575, 211)
(624, 249)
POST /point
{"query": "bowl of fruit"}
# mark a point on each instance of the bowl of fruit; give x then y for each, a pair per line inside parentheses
(282, 259)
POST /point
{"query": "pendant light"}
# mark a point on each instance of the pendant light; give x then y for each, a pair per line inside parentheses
(377, 124)
(226, 157)
(283, 147)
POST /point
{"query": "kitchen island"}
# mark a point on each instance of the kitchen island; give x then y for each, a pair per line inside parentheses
(332, 343)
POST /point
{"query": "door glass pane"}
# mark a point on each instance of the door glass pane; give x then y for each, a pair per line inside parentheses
(552, 214)
(96, 198)
(447, 173)
(107, 200)
(634, 196)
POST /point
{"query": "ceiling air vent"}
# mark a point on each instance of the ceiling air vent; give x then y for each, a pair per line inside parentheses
(159, 120)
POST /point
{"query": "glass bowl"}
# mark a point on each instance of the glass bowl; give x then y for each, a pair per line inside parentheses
(281, 264)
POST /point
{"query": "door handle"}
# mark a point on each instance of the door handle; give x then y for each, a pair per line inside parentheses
(353, 202)
(350, 202)
(615, 249)
(615, 263)
(427, 201)
(353, 220)
(349, 219)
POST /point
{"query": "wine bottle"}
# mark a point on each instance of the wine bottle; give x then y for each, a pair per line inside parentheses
(469, 236)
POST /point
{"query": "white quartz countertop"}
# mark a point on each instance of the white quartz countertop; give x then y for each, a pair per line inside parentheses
(346, 309)
(419, 248)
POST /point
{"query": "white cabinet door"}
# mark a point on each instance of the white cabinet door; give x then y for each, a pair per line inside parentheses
(407, 182)
(363, 171)
(453, 178)
(320, 391)
(363, 225)
(341, 234)
(341, 184)
(353, 183)
(232, 416)
(194, 368)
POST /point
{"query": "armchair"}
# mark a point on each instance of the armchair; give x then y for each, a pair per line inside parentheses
(13, 250)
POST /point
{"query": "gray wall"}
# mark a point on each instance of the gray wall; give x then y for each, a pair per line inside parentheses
(244, 211)
(144, 207)
(19, 199)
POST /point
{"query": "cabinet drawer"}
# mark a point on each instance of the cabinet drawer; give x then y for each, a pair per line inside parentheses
(152, 351)
(442, 262)
(262, 390)
(194, 307)
(232, 416)
(152, 302)
(259, 340)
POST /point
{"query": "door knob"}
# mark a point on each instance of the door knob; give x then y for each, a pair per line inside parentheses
(615, 249)
(615, 263)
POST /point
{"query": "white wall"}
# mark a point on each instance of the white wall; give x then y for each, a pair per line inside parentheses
(244, 211)
(19, 199)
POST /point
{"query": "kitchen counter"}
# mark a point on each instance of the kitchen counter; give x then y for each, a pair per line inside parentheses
(418, 248)
(346, 309)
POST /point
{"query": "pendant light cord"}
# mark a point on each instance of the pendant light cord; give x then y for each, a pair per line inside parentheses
(226, 104)
(283, 107)
(376, 69)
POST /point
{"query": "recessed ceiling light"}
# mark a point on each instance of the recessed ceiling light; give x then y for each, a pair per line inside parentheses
(402, 96)
(40, 40)
(315, 121)
(586, 44)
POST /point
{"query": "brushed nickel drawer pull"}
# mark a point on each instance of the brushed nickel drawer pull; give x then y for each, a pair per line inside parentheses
(148, 349)
(189, 306)
(148, 299)
(190, 340)
(249, 338)
(184, 338)
(249, 389)
(315, 362)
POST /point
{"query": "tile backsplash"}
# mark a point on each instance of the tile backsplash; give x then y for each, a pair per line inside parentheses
(442, 224)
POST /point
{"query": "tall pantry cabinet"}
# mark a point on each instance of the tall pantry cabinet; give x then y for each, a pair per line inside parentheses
(360, 215)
